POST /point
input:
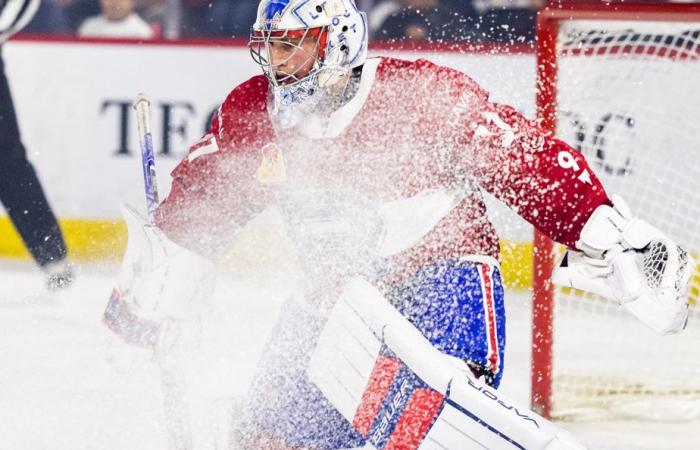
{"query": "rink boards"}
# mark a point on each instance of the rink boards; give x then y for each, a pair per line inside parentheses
(73, 104)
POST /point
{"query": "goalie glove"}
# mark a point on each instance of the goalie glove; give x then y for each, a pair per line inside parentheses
(623, 258)
(161, 286)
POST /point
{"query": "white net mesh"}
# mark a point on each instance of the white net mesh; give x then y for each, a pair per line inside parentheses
(628, 97)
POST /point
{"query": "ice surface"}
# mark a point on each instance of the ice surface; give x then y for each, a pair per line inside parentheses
(59, 390)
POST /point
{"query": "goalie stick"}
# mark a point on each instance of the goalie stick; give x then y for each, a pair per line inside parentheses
(177, 423)
(142, 106)
(400, 392)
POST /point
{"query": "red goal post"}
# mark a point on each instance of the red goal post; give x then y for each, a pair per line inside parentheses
(634, 45)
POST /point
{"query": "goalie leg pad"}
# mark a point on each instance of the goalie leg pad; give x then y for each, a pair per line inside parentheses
(397, 408)
(458, 305)
(353, 369)
(283, 403)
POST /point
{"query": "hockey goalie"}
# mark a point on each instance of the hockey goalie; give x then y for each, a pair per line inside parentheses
(373, 170)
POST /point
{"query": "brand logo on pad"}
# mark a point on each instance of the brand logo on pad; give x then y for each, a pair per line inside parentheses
(272, 169)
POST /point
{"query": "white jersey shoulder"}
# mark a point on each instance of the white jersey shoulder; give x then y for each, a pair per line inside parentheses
(332, 126)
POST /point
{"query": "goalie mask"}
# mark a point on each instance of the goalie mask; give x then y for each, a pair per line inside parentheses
(306, 46)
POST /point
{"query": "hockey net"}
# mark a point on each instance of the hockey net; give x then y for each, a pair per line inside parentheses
(621, 83)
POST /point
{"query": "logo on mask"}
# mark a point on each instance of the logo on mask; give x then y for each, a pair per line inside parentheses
(273, 11)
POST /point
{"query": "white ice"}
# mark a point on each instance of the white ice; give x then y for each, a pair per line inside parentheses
(58, 390)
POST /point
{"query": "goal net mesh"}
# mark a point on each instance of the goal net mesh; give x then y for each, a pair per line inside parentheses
(628, 97)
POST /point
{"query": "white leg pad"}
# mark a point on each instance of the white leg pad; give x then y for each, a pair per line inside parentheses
(472, 414)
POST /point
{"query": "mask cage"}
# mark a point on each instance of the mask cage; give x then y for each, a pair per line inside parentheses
(260, 51)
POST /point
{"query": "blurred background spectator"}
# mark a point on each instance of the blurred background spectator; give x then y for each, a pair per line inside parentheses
(193, 15)
(422, 20)
(78, 10)
(117, 20)
(50, 18)
(153, 12)
(228, 18)
(507, 21)
(472, 21)
(477, 21)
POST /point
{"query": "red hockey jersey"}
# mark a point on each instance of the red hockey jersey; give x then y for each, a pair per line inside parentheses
(419, 140)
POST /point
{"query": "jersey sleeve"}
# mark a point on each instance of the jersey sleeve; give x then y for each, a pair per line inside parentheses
(546, 181)
(213, 188)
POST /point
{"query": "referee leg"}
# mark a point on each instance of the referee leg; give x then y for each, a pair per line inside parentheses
(20, 190)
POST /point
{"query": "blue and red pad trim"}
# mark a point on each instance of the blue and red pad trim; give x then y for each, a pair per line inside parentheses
(397, 408)
(134, 330)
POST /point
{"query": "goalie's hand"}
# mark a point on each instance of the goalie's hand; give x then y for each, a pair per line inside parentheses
(625, 259)
(160, 277)
(160, 284)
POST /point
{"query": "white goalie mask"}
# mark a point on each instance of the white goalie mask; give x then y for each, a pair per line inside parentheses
(337, 30)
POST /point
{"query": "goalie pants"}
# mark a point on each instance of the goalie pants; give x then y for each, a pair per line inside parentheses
(20, 191)
(457, 304)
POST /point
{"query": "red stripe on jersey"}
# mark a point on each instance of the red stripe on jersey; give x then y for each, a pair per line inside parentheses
(378, 386)
(489, 307)
(416, 420)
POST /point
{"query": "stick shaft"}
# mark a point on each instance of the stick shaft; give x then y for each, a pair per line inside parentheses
(177, 423)
(142, 106)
